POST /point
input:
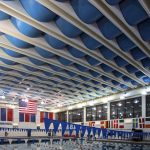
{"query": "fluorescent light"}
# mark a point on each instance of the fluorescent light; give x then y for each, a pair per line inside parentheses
(94, 108)
(28, 89)
(42, 102)
(70, 107)
(3, 97)
(136, 101)
(122, 96)
(144, 92)
(119, 104)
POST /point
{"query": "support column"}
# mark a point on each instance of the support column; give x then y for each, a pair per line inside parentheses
(84, 115)
(143, 106)
(108, 110)
(67, 116)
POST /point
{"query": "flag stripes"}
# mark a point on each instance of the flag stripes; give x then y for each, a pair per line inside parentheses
(28, 107)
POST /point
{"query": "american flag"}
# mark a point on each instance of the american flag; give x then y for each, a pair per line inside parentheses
(28, 107)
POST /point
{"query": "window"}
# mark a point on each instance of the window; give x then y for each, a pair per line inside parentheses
(148, 106)
(129, 108)
(61, 116)
(76, 115)
(96, 113)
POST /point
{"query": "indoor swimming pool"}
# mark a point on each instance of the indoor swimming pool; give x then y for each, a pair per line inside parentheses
(76, 146)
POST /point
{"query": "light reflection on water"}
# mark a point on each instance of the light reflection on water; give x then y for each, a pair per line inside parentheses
(75, 146)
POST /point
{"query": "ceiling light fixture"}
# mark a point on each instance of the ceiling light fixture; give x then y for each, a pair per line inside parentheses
(2, 97)
(123, 96)
(70, 107)
(144, 92)
(28, 88)
(42, 103)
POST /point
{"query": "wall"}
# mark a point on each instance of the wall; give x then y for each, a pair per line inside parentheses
(25, 125)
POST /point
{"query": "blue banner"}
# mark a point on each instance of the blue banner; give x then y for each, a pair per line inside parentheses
(99, 131)
(94, 131)
(56, 125)
(63, 126)
(83, 129)
(47, 123)
(104, 132)
(77, 128)
(89, 130)
(71, 128)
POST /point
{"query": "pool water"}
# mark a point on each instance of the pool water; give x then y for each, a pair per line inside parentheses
(76, 146)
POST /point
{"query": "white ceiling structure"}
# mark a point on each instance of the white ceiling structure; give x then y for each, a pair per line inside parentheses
(64, 52)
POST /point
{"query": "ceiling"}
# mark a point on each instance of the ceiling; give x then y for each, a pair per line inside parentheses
(68, 51)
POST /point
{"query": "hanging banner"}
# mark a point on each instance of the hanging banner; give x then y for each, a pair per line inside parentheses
(63, 126)
(47, 123)
(71, 128)
(99, 131)
(83, 129)
(56, 125)
(89, 129)
(94, 131)
(77, 128)
(104, 132)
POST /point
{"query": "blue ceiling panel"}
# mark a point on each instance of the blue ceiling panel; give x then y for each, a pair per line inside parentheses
(47, 73)
(55, 68)
(44, 53)
(93, 73)
(67, 28)
(5, 69)
(137, 54)
(55, 43)
(106, 68)
(117, 74)
(18, 43)
(144, 29)
(64, 61)
(125, 43)
(7, 61)
(113, 2)
(36, 61)
(131, 69)
(108, 54)
(30, 68)
(75, 52)
(86, 11)
(3, 16)
(89, 42)
(146, 62)
(25, 28)
(120, 61)
(37, 11)
(81, 68)
(108, 29)
(12, 53)
(92, 61)
(132, 11)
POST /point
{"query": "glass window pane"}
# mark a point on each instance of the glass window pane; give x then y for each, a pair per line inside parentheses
(129, 108)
